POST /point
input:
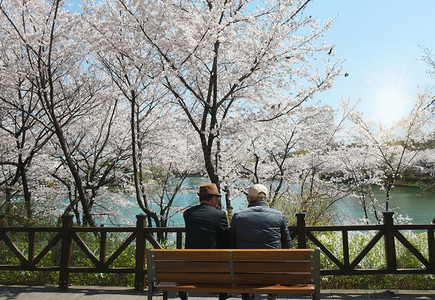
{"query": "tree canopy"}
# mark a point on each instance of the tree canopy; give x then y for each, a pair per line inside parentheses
(124, 100)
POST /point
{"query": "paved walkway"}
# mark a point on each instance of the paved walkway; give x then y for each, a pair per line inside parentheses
(20, 292)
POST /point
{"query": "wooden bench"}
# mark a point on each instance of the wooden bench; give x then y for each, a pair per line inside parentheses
(256, 271)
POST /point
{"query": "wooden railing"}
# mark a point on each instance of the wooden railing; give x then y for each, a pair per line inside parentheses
(141, 237)
(389, 231)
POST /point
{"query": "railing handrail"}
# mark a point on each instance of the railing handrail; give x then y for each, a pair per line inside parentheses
(67, 234)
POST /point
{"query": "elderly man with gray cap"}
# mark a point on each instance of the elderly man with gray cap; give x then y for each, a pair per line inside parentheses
(259, 226)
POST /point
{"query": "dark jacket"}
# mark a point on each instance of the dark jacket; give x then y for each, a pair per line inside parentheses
(259, 227)
(206, 227)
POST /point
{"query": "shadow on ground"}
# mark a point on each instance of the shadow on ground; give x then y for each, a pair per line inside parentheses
(124, 293)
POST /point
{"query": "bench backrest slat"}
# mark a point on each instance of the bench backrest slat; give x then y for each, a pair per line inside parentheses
(172, 266)
(238, 254)
(276, 266)
(267, 266)
(191, 254)
(187, 278)
(272, 254)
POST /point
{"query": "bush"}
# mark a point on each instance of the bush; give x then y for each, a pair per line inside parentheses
(52, 259)
(376, 259)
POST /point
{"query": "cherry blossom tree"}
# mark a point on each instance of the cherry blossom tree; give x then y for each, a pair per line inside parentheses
(137, 95)
(157, 138)
(100, 144)
(22, 138)
(171, 155)
(429, 59)
(360, 171)
(23, 128)
(54, 66)
(293, 155)
(218, 57)
(396, 147)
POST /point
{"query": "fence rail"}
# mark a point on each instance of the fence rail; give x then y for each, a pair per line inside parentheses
(140, 236)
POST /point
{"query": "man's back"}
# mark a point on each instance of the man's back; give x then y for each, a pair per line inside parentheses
(206, 227)
(259, 227)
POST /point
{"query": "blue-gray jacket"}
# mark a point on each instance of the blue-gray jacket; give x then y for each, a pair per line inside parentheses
(259, 227)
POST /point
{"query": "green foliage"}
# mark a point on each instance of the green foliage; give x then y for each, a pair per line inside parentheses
(7, 257)
(114, 241)
(79, 259)
(375, 259)
(29, 277)
(315, 206)
(170, 242)
(373, 282)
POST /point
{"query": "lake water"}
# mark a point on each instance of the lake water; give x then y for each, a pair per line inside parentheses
(404, 200)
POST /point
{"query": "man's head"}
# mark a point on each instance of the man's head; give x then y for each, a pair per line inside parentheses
(209, 194)
(258, 192)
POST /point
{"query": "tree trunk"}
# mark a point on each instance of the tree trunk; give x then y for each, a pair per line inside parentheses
(140, 198)
(78, 181)
(26, 191)
(228, 200)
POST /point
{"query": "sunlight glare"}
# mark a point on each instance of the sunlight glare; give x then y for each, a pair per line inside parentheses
(392, 97)
(391, 104)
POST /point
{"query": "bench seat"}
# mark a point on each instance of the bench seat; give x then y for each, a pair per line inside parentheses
(254, 271)
(302, 289)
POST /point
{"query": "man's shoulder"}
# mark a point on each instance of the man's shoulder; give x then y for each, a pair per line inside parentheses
(256, 210)
(274, 210)
(204, 208)
(190, 209)
(245, 212)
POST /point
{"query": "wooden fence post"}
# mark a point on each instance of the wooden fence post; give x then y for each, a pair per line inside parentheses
(301, 230)
(2, 216)
(139, 277)
(431, 246)
(31, 255)
(103, 246)
(179, 240)
(345, 239)
(66, 251)
(390, 247)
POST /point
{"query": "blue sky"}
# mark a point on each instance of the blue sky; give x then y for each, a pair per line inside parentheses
(380, 41)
